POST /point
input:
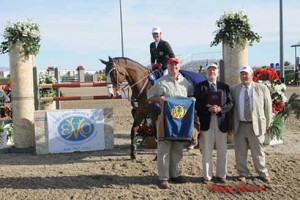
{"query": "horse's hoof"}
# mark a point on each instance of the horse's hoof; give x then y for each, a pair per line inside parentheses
(133, 156)
(190, 150)
(155, 159)
(191, 147)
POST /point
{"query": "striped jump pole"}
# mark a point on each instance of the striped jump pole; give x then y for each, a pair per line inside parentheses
(73, 98)
(73, 84)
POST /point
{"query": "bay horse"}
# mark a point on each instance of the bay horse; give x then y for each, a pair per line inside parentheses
(119, 69)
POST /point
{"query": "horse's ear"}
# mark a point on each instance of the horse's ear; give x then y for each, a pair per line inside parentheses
(104, 62)
(110, 59)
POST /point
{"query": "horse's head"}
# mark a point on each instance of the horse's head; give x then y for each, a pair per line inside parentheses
(114, 73)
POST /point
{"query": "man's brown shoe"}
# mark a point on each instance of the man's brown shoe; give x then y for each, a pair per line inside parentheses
(266, 179)
(164, 184)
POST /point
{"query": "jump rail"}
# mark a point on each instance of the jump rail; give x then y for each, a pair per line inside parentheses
(74, 84)
(57, 86)
(74, 98)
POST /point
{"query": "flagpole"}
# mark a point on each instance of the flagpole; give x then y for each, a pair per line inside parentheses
(281, 42)
(122, 45)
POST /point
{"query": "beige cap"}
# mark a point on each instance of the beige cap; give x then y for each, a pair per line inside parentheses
(212, 65)
(156, 30)
(247, 69)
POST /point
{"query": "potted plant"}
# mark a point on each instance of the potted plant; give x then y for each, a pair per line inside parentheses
(234, 29)
(22, 42)
(234, 32)
(26, 33)
(47, 78)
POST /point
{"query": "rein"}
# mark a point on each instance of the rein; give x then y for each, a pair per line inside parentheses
(141, 91)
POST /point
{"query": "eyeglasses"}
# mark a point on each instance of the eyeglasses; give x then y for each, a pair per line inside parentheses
(154, 33)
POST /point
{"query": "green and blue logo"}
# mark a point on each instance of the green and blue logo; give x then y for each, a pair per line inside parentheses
(76, 128)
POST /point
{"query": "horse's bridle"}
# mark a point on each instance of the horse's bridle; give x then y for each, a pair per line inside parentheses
(115, 68)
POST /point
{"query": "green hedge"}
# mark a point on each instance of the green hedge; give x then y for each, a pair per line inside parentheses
(289, 77)
(3, 81)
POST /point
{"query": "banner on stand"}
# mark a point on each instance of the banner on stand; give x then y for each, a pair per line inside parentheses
(75, 130)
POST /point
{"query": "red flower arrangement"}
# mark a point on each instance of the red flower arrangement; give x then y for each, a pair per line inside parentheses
(281, 107)
(5, 109)
(265, 74)
(144, 130)
(6, 88)
(270, 78)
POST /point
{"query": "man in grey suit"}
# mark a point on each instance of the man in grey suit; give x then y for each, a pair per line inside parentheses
(251, 119)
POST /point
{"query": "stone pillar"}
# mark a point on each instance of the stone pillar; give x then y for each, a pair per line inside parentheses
(80, 74)
(21, 71)
(234, 58)
(95, 77)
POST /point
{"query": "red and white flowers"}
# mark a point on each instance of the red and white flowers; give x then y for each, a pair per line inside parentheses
(270, 78)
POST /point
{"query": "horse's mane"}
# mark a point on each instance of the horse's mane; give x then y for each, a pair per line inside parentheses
(129, 59)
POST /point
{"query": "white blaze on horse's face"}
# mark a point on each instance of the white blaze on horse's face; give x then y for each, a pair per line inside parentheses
(110, 90)
(113, 87)
(112, 82)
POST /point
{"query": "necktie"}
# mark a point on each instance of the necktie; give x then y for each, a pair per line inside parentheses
(212, 87)
(247, 113)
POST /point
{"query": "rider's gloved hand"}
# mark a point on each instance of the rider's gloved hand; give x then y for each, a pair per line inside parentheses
(156, 66)
(152, 78)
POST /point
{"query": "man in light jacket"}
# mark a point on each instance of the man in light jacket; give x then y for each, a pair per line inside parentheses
(251, 119)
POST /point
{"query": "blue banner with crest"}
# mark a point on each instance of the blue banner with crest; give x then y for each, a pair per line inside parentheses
(179, 118)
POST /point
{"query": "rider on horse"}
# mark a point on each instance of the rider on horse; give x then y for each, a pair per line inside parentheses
(160, 52)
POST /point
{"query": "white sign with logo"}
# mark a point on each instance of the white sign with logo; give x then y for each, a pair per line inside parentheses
(75, 130)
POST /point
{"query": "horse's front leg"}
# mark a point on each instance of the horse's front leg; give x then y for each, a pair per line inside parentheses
(133, 146)
(137, 120)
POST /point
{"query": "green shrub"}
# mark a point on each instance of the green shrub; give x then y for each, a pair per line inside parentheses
(3, 81)
(289, 77)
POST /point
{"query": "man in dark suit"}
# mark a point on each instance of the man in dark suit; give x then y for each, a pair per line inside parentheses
(160, 51)
(214, 120)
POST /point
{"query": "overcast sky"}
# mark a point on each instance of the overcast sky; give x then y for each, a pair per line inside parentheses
(78, 32)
